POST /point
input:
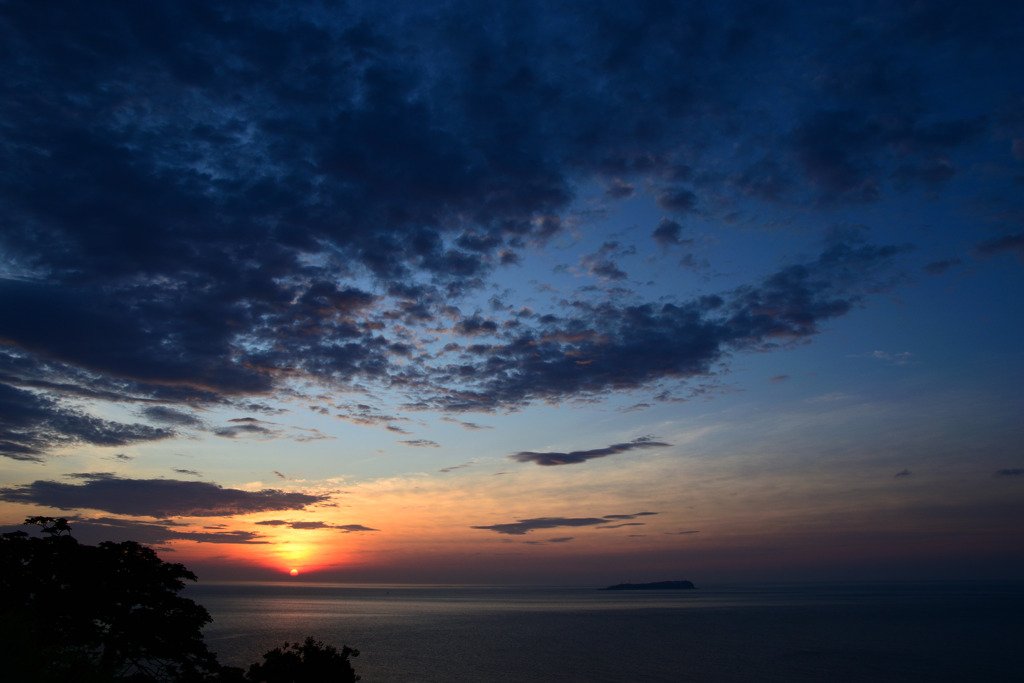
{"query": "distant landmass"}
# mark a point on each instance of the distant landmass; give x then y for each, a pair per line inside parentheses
(655, 586)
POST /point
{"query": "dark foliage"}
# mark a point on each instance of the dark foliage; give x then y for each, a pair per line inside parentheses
(310, 662)
(74, 612)
(113, 613)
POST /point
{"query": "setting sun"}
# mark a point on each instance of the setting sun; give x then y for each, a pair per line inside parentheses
(294, 572)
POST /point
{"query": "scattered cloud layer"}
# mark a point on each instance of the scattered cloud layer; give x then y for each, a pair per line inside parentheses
(201, 226)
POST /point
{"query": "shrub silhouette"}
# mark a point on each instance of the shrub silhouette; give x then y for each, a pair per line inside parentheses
(112, 612)
(310, 662)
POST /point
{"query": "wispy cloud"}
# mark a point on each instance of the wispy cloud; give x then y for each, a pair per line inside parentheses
(899, 358)
(1012, 243)
(552, 458)
(345, 528)
(564, 539)
(420, 443)
(471, 426)
(191, 473)
(464, 465)
(524, 526)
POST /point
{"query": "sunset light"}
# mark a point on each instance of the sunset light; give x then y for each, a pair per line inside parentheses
(425, 323)
(489, 293)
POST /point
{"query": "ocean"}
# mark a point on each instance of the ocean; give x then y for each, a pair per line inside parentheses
(834, 632)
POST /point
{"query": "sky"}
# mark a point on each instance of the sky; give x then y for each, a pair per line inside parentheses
(517, 292)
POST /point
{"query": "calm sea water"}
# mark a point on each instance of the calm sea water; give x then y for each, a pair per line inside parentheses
(811, 632)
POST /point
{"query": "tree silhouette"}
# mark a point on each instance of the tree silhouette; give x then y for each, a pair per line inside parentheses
(310, 662)
(112, 613)
(74, 612)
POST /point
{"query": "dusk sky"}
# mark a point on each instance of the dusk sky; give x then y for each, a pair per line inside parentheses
(518, 292)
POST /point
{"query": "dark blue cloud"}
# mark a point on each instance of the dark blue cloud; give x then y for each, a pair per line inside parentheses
(669, 233)
(1011, 243)
(205, 200)
(941, 267)
(607, 347)
(32, 423)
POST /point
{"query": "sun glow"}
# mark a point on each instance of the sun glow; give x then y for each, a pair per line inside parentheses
(310, 554)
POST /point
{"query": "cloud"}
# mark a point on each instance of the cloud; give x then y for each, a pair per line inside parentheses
(899, 358)
(564, 539)
(941, 267)
(549, 459)
(192, 473)
(249, 428)
(353, 528)
(609, 347)
(669, 233)
(345, 528)
(524, 526)
(171, 416)
(470, 426)
(902, 473)
(362, 414)
(308, 525)
(150, 533)
(619, 189)
(1012, 243)
(464, 465)
(261, 430)
(678, 199)
(1015, 472)
(32, 423)
(155, 497)
(632, 516)
(397, 430)
(191, 221)
(600, 264)
(421, 443)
